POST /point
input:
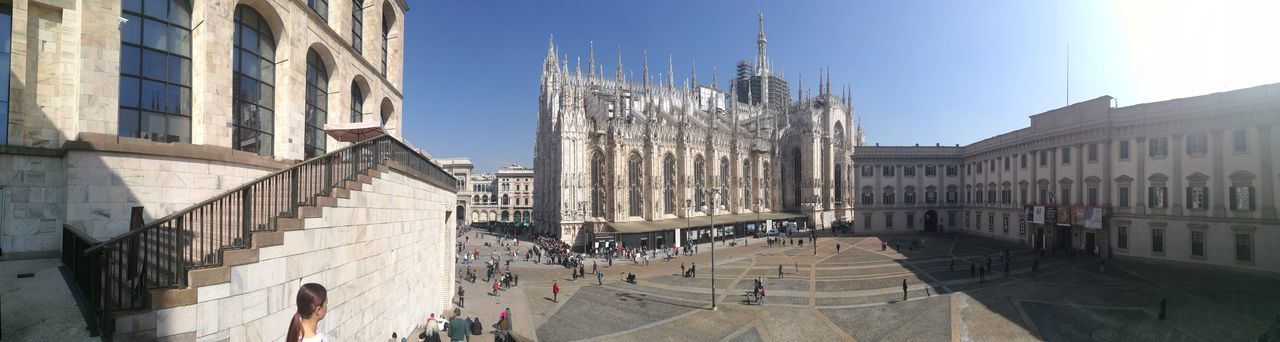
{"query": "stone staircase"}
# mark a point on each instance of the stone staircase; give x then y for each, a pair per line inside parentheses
(141, 324)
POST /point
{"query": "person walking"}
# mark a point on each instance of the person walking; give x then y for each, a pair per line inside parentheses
(972, 269)
(600, 278)
(495, 288)
(1163, 306)
(1102, 266)
(459, 327)
(1006, 269)
(904, 289)
(555, 292)
(779, 271)
(462, 299)
(837, 248)
(693, 270)
(982, 275)
(682, 270)
(761, 294)
(594, 267)
(312, 300)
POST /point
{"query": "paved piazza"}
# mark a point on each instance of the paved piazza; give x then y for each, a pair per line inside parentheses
(857, 295)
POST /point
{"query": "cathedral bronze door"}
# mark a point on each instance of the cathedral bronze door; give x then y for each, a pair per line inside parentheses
(930, 221)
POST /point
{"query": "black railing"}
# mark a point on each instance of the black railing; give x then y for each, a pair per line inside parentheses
(84, 271)
(158, 254)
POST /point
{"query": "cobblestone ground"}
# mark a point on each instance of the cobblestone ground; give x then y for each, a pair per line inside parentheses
(857, 295)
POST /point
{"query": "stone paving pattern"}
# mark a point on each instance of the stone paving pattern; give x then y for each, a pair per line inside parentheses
(857, 295)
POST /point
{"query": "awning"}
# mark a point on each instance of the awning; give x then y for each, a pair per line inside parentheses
(355, 131)
(698, 221)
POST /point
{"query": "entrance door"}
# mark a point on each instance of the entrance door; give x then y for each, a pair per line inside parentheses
(1039, 238)
(930, 221)
(1088, 243)
(1062, 238)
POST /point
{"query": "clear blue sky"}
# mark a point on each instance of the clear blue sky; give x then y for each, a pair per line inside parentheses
(924, 72)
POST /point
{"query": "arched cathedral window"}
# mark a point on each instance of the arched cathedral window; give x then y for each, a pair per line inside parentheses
(669, 184)
(633, 183)
(597, 184)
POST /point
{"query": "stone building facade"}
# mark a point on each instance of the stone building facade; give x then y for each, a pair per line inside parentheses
(163, 103)
(1188, 180)
(503, 196)
(616, 156)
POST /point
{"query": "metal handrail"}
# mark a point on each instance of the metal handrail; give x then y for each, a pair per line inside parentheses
(158, 254)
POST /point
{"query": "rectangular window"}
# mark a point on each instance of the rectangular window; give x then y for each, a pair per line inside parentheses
(991, 222)
(978, 167)
(909, 197)
(1241, 198)
(868, 171)
(1044, 158)
(1066, 155)
(888, 197)
(1123, 194)
(1022, 160)
(952, 196)
(951, 171)
(888, 220)
(357, 24)
(1093, 152)
(951, 218)
(911, 220)
(1197, 144)
(1022, 193)
(991, 196)
(1006, 163)
(888, 170)
(1157, 197)
(909, 171)
(1240, 142)
(1158, 147)
(1197, 197)
(931, 197)
(1244, 247)
(1093, 196)
(1044, 196)
(1065, 196)
(1124, 150)
(1157, 240)
(993, 165)
(6, 37)
(977, 196)
(1006, 196)
(930, 170)
(1197, 243)
(1005, 225)
(866, 221)
(867, 198)
(1122, 237)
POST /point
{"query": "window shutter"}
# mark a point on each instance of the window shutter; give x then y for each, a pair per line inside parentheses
(1205, 203)
(1151, 196)
(1251, 198)
(1232, 193)
(1189, 199)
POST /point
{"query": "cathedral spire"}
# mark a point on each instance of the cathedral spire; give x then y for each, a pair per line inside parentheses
(694, 74)
(828, 80)
(619, 72)
(671, 74)
(762, 61)
(646, 68)
(591, 66)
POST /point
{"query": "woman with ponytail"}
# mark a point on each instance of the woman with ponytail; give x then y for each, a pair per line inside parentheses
(313, 303)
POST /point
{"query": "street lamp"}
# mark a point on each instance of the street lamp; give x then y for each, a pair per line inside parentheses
(688, 225)
(713, 194)
(759, 224)
(812, 203)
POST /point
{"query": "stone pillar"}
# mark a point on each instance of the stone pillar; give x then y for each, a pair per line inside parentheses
(1080, 159)
(1220, 194)
(1176, 191)
(1140, 180)
(1105, 189)
(1265, 196)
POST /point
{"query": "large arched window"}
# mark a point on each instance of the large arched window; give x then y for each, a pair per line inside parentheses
(506, 216)
(357, 24)
(317, 113)
(597, 184)
(746, 184)
(155, 70)
(724, 177)
(669, 184)
(253, 83)
(699, 176)
(839, 188)
(795, 167)
(321, 7)
(388, 21)
(357, 103)
(634, 186)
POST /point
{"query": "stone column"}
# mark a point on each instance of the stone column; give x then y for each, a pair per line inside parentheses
(1140, 180)
(1033, 188)
(1176, 192)
(1105, 189)
(1220, 193)
(1265, 197)
(1081, 159)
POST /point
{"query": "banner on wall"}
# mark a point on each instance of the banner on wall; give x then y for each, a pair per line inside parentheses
(1038, 215)
(1066, 215)
(1050, 215)
(1093, 218)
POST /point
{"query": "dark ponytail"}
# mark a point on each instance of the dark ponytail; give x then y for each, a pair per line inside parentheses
(311, 296)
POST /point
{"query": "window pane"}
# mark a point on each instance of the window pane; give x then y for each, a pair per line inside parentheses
(179, 129)
(133, 5)
(130, 60)
(156, 8)
(153, 126)
(172, 99)
(155, 34)
(176, 68)
(155, 64)
(152, 95)
(180, 41)
(180, 13)
(129, 91)
(132, 30)
(128, 125)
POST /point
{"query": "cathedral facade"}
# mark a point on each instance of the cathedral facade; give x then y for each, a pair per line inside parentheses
(649, 163)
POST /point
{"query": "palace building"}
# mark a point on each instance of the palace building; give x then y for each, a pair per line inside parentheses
(1189, 180)
(639, 162)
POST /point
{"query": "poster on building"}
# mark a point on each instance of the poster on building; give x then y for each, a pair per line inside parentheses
(1050, 215)
(1028, 213)
(1093, 218)
(1038, 216)
(1065, 215)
